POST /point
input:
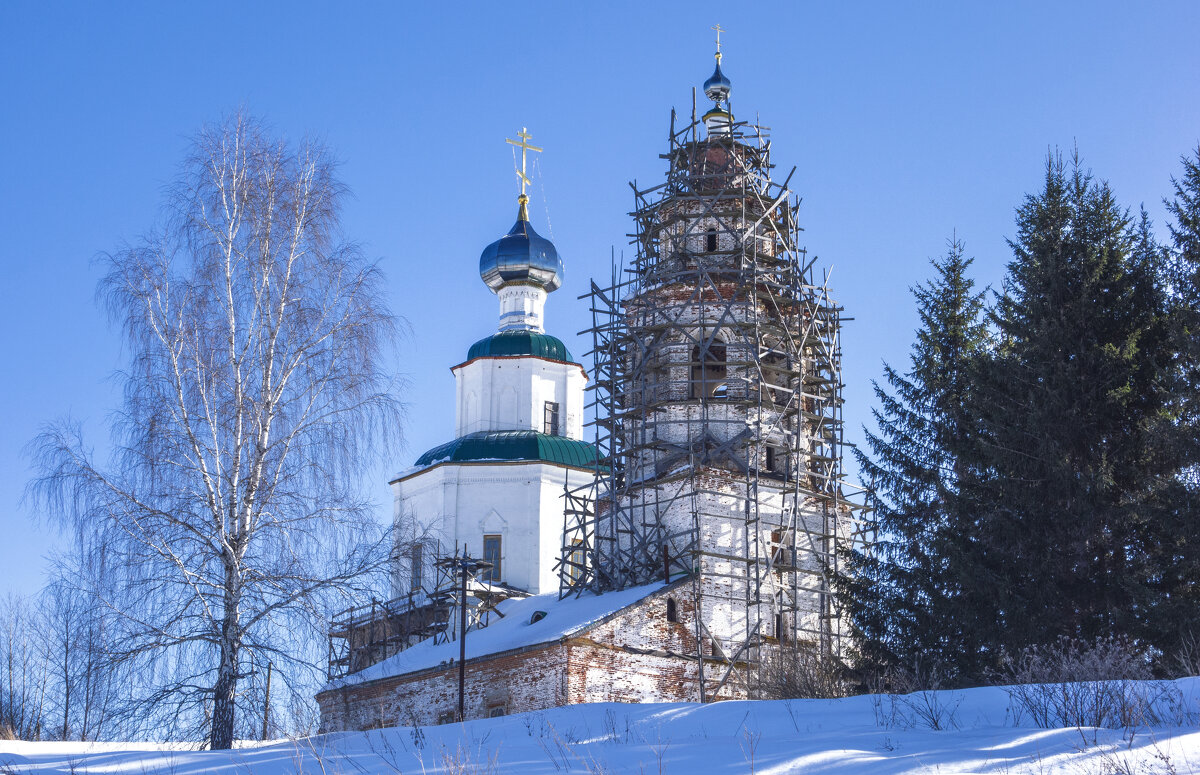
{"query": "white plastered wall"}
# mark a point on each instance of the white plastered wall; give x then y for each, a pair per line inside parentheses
(510, 394)
(462, 502)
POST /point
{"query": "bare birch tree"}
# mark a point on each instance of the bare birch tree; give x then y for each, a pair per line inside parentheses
(22, 672)
(86, 688)
(231, 508)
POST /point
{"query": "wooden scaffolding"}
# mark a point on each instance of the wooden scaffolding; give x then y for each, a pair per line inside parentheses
(717, 396)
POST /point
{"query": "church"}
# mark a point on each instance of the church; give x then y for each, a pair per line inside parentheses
(691, 539)
(497, 487)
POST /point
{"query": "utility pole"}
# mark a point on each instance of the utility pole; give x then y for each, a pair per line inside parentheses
(465, 566)
(267, 702)
(462, 638)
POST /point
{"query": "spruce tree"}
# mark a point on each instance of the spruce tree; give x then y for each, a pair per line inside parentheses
(901, 597)
(1185, 230)
(1176, 545)
(1068, 475)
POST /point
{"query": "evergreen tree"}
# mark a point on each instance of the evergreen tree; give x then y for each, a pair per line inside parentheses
(1069, 473)
(1176, 546)
(1184, 277)
(1185, 231)
(901, 597)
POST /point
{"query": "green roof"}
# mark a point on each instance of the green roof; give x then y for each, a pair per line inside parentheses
(513, 445)
(510, 343)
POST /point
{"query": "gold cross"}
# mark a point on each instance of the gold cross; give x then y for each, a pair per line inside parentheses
(719, 30)
(524, 146)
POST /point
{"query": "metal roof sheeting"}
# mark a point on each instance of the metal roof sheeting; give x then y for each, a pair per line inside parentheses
(512, 343)
(513, 445)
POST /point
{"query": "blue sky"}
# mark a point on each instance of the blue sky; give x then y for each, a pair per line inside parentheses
(906, 122)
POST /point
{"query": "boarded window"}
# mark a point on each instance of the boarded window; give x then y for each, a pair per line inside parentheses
(672, 610)
(550, 421)
(491, 553)
(781, 548)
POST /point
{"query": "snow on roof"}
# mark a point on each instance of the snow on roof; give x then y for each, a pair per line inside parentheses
(563, 618)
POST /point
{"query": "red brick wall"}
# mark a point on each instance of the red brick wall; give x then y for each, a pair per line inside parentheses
(639, 656)
(608, 675)
(531, 680)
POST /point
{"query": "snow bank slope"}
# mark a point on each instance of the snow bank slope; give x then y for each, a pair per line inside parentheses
(856, 735)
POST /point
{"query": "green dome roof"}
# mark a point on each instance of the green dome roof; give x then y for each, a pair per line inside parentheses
(513, 445)
(509, 343)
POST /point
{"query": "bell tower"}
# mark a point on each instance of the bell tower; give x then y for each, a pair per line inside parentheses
(719, 410)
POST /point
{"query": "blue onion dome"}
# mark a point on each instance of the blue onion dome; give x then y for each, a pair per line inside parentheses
(521, 257)
(717, 87)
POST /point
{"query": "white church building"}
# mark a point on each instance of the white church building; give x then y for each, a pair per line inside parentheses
(496, 490)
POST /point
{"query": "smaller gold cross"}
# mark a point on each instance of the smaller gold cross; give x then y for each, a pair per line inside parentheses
(524, 146)
(719, 30)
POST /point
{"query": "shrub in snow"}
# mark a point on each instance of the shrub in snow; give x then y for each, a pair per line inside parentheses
(1101, 683)
(800, 672)
(1187, 658)
(921, 700)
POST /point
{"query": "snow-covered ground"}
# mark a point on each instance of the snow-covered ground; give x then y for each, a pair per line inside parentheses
(871, 734)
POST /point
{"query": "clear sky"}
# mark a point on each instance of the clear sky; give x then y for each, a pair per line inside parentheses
(905, 121)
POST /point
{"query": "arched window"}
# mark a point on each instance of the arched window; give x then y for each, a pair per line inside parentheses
(672, 610)
(710, 240)
(708, 371)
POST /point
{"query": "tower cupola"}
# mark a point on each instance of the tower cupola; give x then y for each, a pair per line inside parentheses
(521, 257)
(522, 266)
(717, 87)
(718, 119)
